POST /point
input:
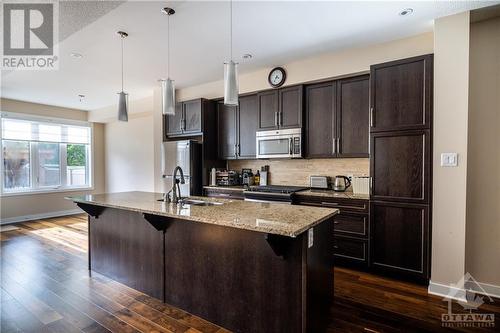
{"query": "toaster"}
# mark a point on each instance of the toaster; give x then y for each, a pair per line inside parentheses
(319, 182)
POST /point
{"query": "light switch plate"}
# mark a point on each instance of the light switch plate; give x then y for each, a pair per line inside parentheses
(449, 159)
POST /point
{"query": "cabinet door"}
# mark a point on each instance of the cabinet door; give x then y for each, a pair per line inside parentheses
(227, 120)
(268, 110)
(320, 129)
(352, 116)
(290, 107)
(175, 122)
(192, 116)
(400, 234)
(401, 95)
(248, 120)
(400, 166)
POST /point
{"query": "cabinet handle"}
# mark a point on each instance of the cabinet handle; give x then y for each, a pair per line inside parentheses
(372, 114)
(338, 146)
(275, 118)
(335, 246)
(329, 203)
(181, 127)
(280, 118)
(334, 147)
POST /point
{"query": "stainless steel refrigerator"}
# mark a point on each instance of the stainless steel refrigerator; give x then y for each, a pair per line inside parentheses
(187, 155)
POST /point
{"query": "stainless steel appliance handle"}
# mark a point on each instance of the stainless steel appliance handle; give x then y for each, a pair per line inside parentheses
(235, 152)
(290, 146)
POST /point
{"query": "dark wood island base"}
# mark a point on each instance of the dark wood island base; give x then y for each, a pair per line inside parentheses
(243, 280)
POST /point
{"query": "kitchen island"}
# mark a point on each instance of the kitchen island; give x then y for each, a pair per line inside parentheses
(246, 266)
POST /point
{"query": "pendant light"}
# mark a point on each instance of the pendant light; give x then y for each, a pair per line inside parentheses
(168, 86)
(123, 96)
(231, 69)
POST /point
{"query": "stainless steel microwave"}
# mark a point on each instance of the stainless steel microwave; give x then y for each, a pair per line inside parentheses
(285, 143)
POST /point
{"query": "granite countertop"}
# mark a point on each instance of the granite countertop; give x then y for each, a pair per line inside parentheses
(273, 218)
(333, 194)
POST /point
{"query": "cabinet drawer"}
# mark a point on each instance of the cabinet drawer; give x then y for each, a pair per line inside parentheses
(344, 205)
(351, 225)
(349, 248)
(224, 194)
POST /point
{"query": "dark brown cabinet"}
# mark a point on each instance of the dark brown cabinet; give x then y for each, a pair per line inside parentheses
(227, 119)
(320, 130)
(351, 228)
(400, 235)
(175, 123)
(401, 95)
(188, 118)
(280, 108)
(400, 166)
(337, 118)
(248, 122)
(237, 127)
(352, 116)
(192, 116)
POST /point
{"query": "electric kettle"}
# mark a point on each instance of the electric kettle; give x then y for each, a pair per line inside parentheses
(341, 183)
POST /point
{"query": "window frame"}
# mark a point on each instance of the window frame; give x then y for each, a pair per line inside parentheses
(33, 144)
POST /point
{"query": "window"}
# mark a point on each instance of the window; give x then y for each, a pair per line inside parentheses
(44, 155)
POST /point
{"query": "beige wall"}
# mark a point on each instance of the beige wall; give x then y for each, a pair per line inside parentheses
(483, 166)
(129, 155)
(297, 172)
(47, 203)
(451, 89)
(322, 66)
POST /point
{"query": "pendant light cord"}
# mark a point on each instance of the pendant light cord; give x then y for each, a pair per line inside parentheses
(168, 46)
(122, 63)
(231, 28)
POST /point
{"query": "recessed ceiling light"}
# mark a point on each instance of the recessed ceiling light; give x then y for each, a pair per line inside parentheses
(76, 55)
(406, 12)
(247, 56)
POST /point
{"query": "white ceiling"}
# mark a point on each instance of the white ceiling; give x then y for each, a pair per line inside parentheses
(273, 32)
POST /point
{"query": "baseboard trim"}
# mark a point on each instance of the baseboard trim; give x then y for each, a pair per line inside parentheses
(25, 218)
(442, 290)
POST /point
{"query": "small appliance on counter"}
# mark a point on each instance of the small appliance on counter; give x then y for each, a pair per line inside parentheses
(361, 185)
(319, 182)
(247, 177)
(227, 178)
(264, 175)
(341, 183)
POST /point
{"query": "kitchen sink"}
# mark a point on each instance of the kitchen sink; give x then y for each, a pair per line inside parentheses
(200, 202)
(196, 202)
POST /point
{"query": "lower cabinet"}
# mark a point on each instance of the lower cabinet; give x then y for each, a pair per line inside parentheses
(351, 228)
(400, 239)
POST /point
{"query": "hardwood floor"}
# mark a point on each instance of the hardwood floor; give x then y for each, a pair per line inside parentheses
(46, 287)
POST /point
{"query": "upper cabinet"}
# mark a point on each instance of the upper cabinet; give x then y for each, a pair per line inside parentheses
(320, 130)
(248, 121)
(237, 127)
(402, 94)
(352, 116)
(188, 118)
(280, 108)
(337, 118)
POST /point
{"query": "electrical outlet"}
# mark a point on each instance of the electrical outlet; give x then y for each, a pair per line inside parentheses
(449, 159)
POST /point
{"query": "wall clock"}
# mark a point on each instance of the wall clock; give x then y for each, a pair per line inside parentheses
(277, 77)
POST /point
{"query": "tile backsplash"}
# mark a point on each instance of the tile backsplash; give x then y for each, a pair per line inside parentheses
(297, 171)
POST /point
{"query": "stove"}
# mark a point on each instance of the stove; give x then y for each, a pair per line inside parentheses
(272, 193)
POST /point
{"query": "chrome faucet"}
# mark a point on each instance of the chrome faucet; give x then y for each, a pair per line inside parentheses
(176, 189)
